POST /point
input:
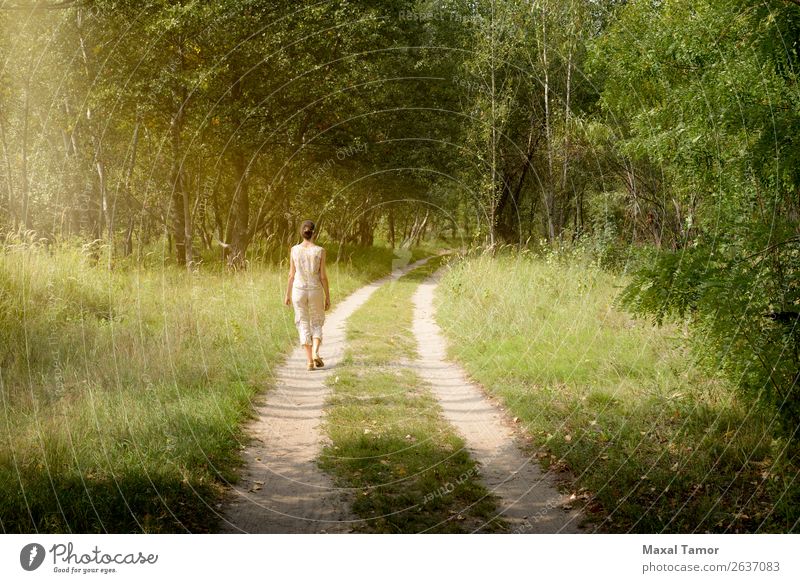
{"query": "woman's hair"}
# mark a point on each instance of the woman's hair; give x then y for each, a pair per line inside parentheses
(307, 230)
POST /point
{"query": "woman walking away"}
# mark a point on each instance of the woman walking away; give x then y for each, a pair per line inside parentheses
(307, 283)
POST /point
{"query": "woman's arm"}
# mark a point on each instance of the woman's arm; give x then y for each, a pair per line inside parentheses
(323, 277)
(288, 299)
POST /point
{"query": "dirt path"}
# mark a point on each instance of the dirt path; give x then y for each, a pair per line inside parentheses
(529, 500)
(281, 489)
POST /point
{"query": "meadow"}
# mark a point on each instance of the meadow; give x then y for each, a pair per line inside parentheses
(124, 391)
(648, 440)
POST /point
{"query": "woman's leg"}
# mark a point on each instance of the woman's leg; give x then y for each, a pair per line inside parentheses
(302, 320)
(316, 308)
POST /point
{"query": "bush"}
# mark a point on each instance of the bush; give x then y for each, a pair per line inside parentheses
(743, 313)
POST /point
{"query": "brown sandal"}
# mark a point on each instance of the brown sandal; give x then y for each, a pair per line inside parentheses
(318, 362)
(310, 366)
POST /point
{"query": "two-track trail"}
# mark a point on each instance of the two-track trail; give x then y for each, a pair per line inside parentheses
(283, 490)
(528, 498)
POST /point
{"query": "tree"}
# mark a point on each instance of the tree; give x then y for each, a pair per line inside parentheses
(716, 113)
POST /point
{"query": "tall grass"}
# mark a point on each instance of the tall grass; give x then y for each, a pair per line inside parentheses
(654, 443)
(124, 391)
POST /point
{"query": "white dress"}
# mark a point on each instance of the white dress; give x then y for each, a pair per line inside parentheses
(308, 295)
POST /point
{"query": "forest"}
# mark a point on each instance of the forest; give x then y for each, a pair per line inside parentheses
(658, 140)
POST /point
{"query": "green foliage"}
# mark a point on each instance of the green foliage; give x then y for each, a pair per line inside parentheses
(244, 116)
(740, 327)
(715, 108)
(656, 137)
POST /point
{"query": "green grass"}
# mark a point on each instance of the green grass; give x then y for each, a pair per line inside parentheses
(654, 443)
(124, 391)
(388, 440)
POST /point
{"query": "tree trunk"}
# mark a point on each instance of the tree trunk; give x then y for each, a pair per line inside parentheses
(391, 228)
(493, 194)
(178, 214)
(179, 227)
(104, 220)
(365, 235)
(99, 203)
(548, 194)
(187, 228)
(567, 115)
(127, 247)
(241, 213)
(12, 212)
(181, 223)
(421, 229)
(409, 229)
(26, 221)
(506, 227)
(200, 214)
(416, 230)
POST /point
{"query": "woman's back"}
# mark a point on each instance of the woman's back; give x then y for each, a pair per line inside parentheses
(307, 259)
